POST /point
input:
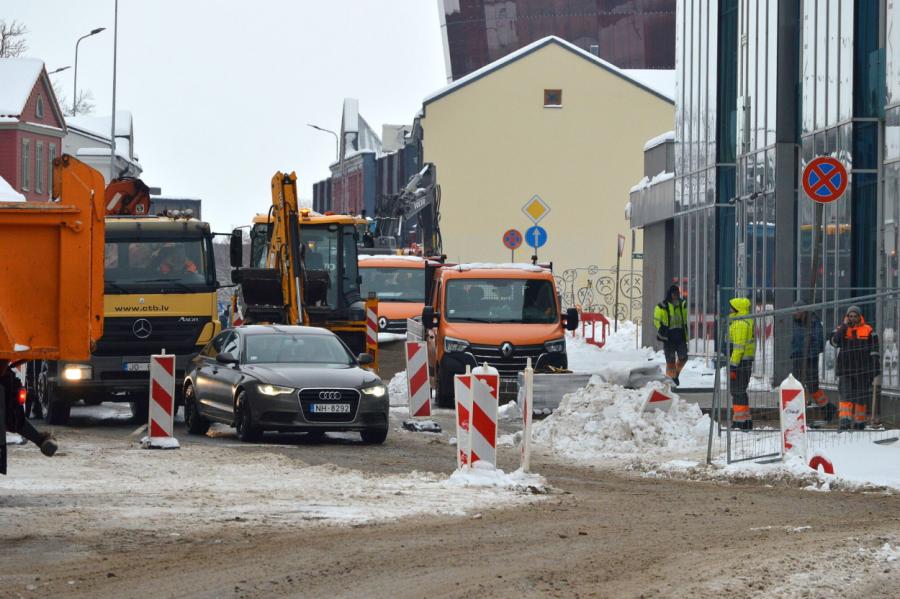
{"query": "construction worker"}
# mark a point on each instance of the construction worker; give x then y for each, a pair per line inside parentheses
(175, 261)
(807, 342)
(670, 321)
(858, 363)
(740, 367)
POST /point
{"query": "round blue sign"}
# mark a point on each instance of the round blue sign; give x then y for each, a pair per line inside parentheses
(536, 236)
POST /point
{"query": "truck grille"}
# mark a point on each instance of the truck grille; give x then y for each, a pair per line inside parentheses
(177, 335)
(507, 367)
(311, 396)
(397, 327)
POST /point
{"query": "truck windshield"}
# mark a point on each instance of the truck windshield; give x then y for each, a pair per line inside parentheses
(527, 301)
(394, 284)
(158, 265)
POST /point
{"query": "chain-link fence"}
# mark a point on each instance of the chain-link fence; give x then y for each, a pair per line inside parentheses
(844, 360)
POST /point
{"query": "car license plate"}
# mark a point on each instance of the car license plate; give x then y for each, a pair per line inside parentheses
(329, 408)
(137, 366)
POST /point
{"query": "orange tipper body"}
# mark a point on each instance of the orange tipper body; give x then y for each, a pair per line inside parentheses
(399, 283)
(51, 268)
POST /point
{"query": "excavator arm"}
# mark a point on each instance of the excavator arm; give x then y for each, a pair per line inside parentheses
(285, 247)
(127, 196)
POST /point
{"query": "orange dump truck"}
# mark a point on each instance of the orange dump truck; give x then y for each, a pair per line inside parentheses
(501, 314)
(51, 283)
(399, 284)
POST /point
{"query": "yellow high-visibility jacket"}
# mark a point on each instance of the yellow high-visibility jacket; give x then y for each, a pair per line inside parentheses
(740, 332)
(667, 315)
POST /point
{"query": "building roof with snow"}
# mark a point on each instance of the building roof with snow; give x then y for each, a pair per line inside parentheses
(661, 83)
(98, 127)
(8, 194)
(19, 77)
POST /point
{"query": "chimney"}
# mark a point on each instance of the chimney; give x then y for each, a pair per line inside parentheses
(595, 50)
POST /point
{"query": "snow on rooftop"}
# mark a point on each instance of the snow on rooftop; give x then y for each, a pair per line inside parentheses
(648, 181)
(100, 125)
(18, 76)
(364, 257)
(499, 266)
(661, 82)
(8, 194)
(659, 139)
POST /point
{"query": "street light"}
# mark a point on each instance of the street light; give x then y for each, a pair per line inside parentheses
(75, 78)
(59, 70)
(337, 141)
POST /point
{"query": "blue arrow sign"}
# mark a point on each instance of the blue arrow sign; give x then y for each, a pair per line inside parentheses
(536, 236)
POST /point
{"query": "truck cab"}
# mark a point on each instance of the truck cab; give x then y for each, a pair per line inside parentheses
(500, 314)
(159, 296)
(399, 283)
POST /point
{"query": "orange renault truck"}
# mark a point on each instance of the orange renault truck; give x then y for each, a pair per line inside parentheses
(399, 284)
(501, 314)
(51, 286)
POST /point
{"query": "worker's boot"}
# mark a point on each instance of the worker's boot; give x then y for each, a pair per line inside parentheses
(49, 445)
(828, 412)
(845, 424)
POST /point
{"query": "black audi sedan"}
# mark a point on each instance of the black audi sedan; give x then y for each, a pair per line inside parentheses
(284, 378)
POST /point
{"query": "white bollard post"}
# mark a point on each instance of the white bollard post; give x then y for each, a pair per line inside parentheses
(792, 412)
(527, 415)
(485, 407)
(162, 404)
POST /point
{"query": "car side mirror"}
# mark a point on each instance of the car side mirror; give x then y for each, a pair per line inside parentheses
(571, 319)
(236, 249)
(226, 358)
(365, 359)
(428, 318)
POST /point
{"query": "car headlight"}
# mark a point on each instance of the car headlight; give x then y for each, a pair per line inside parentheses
(555, 346)
(273, 390)
(451, 344)
(375, 391)
(77, 372)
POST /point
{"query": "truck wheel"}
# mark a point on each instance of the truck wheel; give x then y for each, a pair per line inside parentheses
(196, 423)
(54, 404)
(443, 397)
(140, 409)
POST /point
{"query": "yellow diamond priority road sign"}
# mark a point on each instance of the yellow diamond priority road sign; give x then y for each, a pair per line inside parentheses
(536, 209)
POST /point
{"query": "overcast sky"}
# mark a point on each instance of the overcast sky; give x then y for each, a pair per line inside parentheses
(221, 90)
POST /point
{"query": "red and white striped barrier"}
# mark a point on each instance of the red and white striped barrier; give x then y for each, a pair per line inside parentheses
(417, 381)
(462, 392)
(792, 404)
(162, 403)
(658, 399)
(372, 330)
(485, 405)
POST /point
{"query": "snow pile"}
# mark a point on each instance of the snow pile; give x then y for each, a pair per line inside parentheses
(887, 553)
(484, 475)
(14, 439)
(603, 419)
(397, 390)
(509, 411)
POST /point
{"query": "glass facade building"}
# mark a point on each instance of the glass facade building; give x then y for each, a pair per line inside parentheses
(630, 34)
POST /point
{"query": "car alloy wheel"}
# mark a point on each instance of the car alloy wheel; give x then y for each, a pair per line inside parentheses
(243, 420)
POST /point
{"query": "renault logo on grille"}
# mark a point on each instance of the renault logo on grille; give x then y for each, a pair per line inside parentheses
(382, 323)
(507, 349)
(329, 394)
(141, 328)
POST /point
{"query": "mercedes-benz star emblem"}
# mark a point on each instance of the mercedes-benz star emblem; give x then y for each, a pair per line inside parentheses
(329, 394)
(506, 349)
(141, 328)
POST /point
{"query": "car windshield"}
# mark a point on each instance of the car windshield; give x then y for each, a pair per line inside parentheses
(527, 301)
(285, 348)
(166, 265)
(394, 284)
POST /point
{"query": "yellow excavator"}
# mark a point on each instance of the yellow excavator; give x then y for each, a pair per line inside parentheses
(303, 270)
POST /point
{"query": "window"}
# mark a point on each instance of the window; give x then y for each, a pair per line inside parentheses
(39, 167)
(213, 348)
(26, 165)
(50, 169)
(231, 345)
(39, 109)
(552, 98)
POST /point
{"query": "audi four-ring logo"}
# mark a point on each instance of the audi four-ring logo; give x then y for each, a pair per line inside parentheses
(141, 328)
(329, 394)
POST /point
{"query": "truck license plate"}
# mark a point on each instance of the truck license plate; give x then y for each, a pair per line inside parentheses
(329, 408)
(137, 366)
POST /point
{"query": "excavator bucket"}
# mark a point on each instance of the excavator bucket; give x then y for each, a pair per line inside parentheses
(261, 294)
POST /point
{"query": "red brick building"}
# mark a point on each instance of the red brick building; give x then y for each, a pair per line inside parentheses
(32, 127)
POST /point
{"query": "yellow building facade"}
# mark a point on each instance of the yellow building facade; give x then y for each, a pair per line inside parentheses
(549, 120)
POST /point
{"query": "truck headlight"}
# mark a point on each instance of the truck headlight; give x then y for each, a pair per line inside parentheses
(452, 345)
(273, 390)
(556, 346)
(375, 391)
(77, 372)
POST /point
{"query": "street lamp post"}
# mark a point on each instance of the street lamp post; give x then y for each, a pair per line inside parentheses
(337, 150)
(112, 127)
(75, 78)
(59, 70)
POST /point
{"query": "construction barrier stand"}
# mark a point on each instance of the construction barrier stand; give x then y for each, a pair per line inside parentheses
(162, 403)
(485, 408)
(658, 399)
(462, 392)
(417, 381)
(792, 411)
(372, 330)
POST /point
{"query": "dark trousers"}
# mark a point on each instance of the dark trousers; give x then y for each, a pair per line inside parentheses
(739, 398)
(15, 414)
(806, 370)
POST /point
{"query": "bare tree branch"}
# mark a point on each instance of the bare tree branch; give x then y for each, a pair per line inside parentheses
(83, 101)
(12, 39)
